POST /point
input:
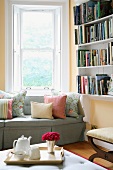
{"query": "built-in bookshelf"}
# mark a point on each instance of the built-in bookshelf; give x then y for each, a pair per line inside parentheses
(93, 29)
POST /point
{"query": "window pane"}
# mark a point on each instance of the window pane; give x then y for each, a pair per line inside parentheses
(37, 68)
(37, 30)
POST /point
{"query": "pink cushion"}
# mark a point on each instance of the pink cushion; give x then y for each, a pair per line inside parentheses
(6, 108)
(59, 103)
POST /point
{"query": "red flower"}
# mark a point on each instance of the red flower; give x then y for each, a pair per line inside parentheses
(51, 136)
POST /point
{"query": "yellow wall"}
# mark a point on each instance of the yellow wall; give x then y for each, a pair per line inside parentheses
(101, 113)
(2, 45)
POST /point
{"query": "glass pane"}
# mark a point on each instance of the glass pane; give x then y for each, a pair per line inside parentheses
(37, 68)
(37, 30)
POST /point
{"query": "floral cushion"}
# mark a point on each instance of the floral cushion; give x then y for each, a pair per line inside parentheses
(6, 108)
(72, 105)
(18, 102)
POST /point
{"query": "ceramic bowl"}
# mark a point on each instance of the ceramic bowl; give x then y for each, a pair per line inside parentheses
(20, 155)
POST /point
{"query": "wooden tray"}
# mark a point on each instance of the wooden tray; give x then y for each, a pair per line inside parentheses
(45, 158)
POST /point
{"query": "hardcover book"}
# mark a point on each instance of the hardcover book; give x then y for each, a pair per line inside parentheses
(101, 84)
(104, 8)
(110, 52)
(92, 85)
(76, 10)
(110, 85)
(90, 11)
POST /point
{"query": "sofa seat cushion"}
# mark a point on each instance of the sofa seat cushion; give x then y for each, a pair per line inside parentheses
(1, 123)
(31, 122)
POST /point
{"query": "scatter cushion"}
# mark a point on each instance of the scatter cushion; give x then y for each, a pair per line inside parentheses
(6, 108)
(59, 103)
(18, 102)
(72, 105)
(41, 110)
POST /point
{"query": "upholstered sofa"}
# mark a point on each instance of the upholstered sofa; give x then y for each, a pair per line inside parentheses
(71, 129)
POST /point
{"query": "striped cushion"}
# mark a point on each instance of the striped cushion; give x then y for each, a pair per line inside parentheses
(6, 108)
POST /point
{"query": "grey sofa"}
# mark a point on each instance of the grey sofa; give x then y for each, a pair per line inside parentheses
(71, 129)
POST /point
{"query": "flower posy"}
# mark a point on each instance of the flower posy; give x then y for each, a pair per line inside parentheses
(51, 136)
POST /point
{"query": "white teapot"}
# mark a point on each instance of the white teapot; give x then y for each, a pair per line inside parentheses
(22, 144)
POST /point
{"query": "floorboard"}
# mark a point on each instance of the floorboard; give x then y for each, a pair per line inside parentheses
(85, 150)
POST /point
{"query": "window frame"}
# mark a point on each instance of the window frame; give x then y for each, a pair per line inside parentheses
(22, 49)
(9, 38)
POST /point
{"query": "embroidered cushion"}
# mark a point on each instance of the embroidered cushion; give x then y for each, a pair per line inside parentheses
(59, 103)
(72, 105)
(6, 108)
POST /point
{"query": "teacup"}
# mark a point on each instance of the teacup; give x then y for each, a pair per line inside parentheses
(20, 155)
(34, 152)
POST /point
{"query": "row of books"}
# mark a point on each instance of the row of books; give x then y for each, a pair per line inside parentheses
(95, 57)
(98, 84)
(91, 10)
(95, 32)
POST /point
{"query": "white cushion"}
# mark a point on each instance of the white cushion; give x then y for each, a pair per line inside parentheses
(41, 110)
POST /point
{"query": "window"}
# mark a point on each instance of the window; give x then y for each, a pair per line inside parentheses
(36, 47)
(37, 59)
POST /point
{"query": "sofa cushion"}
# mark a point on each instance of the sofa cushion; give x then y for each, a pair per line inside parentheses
(28, 121)
(72, 105)
(18, 101)
(6, 108)
(59, 103)
(41, 110)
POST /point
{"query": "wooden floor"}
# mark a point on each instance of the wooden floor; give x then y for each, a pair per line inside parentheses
(85, 150)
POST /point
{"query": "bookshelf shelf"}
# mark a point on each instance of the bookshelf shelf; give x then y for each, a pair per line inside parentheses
(98, 20)
(94, 48)
(88, 67)
(96, 42)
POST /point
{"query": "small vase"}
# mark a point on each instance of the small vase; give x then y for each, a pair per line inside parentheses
(50, 145)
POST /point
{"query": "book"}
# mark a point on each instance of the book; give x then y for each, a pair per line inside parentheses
(110, 23)
(96, 34)
(81, 57)
(76, 36)
(110, 85)
(78, 83)
(103, 56)
(90, 11)
(83, 13)
(104, 8)
(87, 31)
(110, 52)
(87, 54)
(101, 84)
(82, 85)
(86, 85)
(76, 10)
(93, 55)
(92, 88)
(91, 33)
(106, 29)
